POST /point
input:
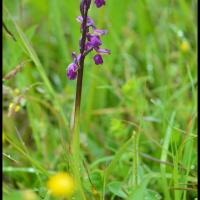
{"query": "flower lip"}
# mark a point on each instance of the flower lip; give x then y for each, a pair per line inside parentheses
(100, 3)
(98, 59)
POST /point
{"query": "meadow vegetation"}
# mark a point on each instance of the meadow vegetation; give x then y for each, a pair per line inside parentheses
(138, 131)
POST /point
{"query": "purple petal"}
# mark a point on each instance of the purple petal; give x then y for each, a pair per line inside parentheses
(102, 51)
(79, 19)
(74, 56)
(98, 59)
(99, 3)
(90, 22)
(78, 57)
(72, 71)
(100, 32)
(94, 41)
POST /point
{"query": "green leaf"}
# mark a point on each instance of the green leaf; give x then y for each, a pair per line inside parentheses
(140, 191)
(137, 193)
(116, 188)
(152, 195)
(12, 196)
(97, 179)
(31, 31)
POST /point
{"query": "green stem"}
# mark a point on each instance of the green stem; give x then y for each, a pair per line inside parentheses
(76, 135)
(76, 122)
(76, 164)
(135, 159)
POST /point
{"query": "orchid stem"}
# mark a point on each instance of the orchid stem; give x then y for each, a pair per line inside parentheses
(76, 122)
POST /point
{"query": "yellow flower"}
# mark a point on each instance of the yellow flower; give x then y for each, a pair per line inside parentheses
(16, 92)
(14, 107)
(185, 46)
(61, 184)
(11, 106)
(17, 108)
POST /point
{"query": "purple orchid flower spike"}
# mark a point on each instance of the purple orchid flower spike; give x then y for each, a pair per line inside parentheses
(89, 41)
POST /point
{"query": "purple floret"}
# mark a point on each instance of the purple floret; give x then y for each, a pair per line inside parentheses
(99, 3)
(72, 71)
(98, 59)
(94, 41)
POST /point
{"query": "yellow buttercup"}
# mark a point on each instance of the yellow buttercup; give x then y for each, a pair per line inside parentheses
(61, 184)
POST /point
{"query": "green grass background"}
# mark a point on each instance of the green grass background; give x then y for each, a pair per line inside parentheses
(138, 111)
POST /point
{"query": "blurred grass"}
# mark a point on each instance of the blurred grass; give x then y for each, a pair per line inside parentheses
(148, 76)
